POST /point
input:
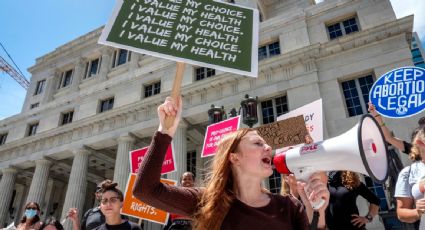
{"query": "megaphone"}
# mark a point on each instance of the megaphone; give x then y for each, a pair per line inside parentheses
(362, 149)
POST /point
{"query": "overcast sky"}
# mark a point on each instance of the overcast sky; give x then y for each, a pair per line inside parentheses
(31, 29)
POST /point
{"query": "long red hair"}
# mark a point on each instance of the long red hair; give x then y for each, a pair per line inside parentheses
(220, 190)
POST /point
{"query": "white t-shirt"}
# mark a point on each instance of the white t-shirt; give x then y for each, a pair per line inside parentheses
(407, 178)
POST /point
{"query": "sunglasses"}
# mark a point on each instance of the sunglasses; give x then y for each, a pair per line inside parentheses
(98, 189)
(33, 208)
(111, 200)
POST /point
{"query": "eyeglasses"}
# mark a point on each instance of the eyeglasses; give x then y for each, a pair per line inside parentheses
(111, 200)
(33, 208)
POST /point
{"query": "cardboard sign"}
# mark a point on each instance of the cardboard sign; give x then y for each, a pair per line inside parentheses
(136, 158)
(291, 131)
(400, 92)
(313, 118)
(215, 132)
(136, 208)
(201, 32)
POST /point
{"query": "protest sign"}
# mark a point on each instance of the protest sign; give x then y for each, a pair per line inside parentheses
(400, 92)
(136, 158)
(312, 113)
(136, 208)
(215, 132)
(288, 132)
(201, 32)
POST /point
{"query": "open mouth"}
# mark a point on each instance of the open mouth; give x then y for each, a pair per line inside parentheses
(267, 160)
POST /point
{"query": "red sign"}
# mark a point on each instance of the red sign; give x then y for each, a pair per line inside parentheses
(136, 158)
(215, 132)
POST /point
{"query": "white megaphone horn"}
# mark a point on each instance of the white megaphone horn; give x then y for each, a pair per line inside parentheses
(362, 149)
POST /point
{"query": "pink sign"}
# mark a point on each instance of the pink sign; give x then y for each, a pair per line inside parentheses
(136, 159)
(215, 132)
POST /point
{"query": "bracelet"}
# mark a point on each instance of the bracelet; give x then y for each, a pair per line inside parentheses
(382, 125)
(377, 115)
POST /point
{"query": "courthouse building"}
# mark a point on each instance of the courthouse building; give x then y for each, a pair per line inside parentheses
(88, 105)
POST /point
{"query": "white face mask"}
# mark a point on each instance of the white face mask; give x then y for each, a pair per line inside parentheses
(30, 213)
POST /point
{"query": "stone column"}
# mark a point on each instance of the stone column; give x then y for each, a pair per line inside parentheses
(50, 87)
(134, 63)
(200, 170)
(7, 184)
(77, 184)
(180, 151)
(39, 182)
(122, 162)
(105, 65)
(78, 73)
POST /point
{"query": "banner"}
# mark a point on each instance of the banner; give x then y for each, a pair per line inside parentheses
(206, 33)
(136, 158)
(136, 208)
(283, 133)
(313, 118)
(215, 132)
(399, 93)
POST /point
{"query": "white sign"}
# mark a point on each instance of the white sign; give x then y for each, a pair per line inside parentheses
(313, 119)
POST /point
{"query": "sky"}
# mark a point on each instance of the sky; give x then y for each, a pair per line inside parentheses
(31, 29)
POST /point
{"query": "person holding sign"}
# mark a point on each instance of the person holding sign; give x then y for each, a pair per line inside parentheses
(233, 197)
(394, 141)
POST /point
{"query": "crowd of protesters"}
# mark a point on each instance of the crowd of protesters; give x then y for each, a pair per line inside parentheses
(234, 198)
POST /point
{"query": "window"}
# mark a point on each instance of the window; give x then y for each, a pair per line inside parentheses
(35, 105)
(40, 87)
(120, 57)
(32, 129)
(356, 94)
(67, 117)
(106, 105)
(203, 72)
(342, 28)
(274, 106)
(191, 162)
(3, 138)
(275, 182)
(378, 189)
(153, 89)
(92, 68)
(269, 50)
(66, 78)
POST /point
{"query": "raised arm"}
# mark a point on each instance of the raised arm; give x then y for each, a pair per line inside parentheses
(148, 187)
(387, 133)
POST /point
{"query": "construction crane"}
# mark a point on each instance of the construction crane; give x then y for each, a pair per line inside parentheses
(7, 68)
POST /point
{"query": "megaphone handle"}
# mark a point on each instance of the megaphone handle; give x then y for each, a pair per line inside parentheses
(304, 175)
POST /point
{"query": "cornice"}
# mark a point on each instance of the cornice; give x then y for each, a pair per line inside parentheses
(63, 51)
(365, 37)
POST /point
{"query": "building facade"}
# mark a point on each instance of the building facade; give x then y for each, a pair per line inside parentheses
(418, 52)
(88, 105)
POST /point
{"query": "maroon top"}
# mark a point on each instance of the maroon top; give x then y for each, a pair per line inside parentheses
(283, 212)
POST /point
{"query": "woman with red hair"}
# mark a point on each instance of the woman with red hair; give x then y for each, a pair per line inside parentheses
(233, 197)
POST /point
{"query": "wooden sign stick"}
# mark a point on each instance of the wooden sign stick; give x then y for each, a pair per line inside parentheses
(175, 91)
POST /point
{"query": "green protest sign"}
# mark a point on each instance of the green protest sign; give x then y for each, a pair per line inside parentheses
(201, 32)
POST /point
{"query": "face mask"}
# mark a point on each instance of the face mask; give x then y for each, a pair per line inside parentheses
(29, 213)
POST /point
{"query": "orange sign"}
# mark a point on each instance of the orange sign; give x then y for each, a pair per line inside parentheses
(136, 208)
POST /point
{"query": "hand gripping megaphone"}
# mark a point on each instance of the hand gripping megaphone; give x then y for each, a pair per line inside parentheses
(362, 149)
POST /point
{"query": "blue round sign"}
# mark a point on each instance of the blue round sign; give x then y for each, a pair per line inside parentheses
(400, 92)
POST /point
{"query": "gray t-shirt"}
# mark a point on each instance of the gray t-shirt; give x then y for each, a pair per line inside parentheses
(407, 178)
